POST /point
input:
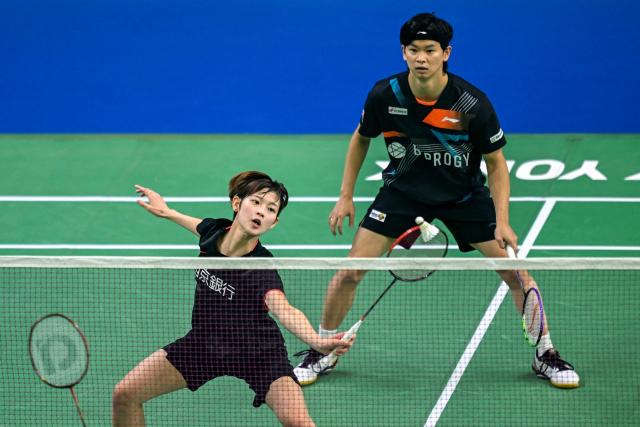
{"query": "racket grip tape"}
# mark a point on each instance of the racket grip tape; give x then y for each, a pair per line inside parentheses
(332, 357)
(511, 252)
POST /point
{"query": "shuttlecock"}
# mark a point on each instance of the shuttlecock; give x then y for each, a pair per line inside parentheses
(427, 231)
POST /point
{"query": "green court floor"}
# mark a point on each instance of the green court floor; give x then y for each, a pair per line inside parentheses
(572, 195)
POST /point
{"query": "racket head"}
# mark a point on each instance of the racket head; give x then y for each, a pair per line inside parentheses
(533, 317)
(411, 244)
(58, 350)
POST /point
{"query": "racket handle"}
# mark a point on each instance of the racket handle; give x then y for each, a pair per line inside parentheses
(332, 357)
(512, 255)
(352, 331)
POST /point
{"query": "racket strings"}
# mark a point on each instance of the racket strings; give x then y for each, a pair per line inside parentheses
(434, 248)
(533, 316)
(58, 351)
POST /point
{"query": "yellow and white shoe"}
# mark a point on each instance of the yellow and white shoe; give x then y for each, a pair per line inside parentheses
(559, 372)
(313, 365)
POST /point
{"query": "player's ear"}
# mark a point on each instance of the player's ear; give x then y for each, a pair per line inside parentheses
(447, 53)
(403, 55)
(274, 223)
(235, 204)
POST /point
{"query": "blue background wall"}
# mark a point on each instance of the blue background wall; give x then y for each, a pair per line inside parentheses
(189, 66)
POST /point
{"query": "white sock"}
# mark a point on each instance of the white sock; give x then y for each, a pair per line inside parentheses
(326, 333)
(544, 344)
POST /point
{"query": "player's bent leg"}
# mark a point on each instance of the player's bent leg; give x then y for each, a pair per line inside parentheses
(342, 287)
(286, 400)
(152, 377)
(338, 300)
(547, 363)
(491, 249)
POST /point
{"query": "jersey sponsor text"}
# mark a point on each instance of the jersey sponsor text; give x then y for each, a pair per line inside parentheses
(443, 158)
(215, 283)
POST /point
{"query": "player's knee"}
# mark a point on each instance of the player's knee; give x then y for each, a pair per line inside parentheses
(297, 419)
(351, 277)
(124, 395)
(511, 279)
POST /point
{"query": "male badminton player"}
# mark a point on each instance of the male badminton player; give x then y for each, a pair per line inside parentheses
(437, 128)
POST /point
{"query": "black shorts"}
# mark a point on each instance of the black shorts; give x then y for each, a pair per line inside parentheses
(472, 220)
(197, 359)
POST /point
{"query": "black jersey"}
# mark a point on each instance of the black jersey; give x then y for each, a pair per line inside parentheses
(229, 305)
(434, 150)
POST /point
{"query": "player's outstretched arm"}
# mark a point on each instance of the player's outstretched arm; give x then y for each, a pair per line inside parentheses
(297, 323)
(158, 207)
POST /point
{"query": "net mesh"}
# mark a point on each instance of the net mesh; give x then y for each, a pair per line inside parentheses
(448, 350)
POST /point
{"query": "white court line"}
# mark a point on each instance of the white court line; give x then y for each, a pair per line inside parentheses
(303, 199)
(284, 247)
(585, 248)
(482, 328)
(135, 247)
(130, 199)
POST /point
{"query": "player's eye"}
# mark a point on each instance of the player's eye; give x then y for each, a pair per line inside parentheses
(272, 210)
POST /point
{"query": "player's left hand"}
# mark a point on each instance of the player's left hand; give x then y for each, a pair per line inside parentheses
(156, 206)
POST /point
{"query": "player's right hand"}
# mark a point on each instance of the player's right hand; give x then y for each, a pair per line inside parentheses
(344, 208)
(157, 206)
(327, 345)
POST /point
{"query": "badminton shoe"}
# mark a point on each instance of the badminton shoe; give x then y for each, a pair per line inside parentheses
(313, 365)
(551, 367)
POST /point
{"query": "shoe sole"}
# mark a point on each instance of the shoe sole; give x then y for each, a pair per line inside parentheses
(565, 386)
(557, 385)
(308, 382)
(314, 379)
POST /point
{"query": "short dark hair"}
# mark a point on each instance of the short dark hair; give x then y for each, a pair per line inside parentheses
(250, 182)
(426, 26)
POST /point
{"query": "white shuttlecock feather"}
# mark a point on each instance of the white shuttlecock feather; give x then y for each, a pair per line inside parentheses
(427, 231)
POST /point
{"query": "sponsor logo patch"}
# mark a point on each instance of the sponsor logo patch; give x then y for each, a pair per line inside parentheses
(398, 111)
(396, 150)
(377, 215)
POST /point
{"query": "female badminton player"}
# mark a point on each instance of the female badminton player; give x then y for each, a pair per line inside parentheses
(232, 332)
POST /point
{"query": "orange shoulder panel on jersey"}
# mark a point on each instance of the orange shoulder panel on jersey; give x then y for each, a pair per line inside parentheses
(446, 119)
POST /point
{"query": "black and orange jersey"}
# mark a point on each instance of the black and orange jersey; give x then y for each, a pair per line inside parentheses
(434, 148)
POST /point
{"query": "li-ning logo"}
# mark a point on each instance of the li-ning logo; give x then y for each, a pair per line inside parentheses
(215, 283)
(450, 119)
(377, 215)
(398, 111)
